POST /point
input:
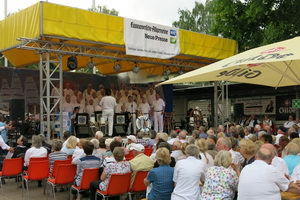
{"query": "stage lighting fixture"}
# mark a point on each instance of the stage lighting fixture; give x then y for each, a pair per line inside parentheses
(135, 69)
(91, 64)
(117, 67)
(72, 63)
(167, 72)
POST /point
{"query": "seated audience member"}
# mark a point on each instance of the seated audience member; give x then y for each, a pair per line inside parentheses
(211, 145)
(190, 140)
(187, 174)
(221, 134)
(66, 136)
(281, 131)
(247, 149)
(294, 135)
(107, 144)
(110, 159)
(297, 141)
(36, 150)
(96, 147)
(224, 143)
(102, 146)
(131, 141)
(44, 144)
(283, 141)
(176, 150)
(57, 153)
(290, 156)
(87, 162)
(182, 136)
(118, 167)
(295, 177)
(267, 139)
(222, 179)
(161, 177)
(78, 153)
(260, 134)
(140, 139)
(166, 145)
(258, 145)
(98, 135)
(173, 136)
(235, 148)
(277, 162)
(156, 147)
(152, 140)
(21, 148)
(140, 162)
(196, 134)
(70, 146)
(252, 137)
(205, 157)
(247, 131)
(260, 180)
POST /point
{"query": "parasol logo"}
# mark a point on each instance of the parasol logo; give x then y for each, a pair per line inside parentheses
(273, 50)
(254, 65)
(240, 72)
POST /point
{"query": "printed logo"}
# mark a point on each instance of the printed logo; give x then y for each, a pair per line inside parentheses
(273, 50)
(253, 65)
(173, 32)
(173, 40)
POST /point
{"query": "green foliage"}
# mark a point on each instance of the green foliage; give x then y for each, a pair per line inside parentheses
(255, 22)
(198, 20)
(105, 10)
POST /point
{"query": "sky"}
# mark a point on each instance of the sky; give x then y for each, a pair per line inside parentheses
(162, 12)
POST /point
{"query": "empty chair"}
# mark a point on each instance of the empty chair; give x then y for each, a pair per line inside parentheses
(114, 187)
(138, 184)
(88, 176)
(37, 170)
(64, 175)
(11, 167)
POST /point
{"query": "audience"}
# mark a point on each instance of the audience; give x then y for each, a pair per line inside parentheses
(36, 150)
(247, 149)
(21, 148)
(290, 156)
(57, 153)
(70, 145)
(205, 157)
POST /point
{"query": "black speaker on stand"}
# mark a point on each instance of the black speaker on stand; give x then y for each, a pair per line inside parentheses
(17, 109)
(119, 130)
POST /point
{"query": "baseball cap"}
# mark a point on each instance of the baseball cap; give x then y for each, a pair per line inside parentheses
(137, 147)
(282, 128)
(131, 137)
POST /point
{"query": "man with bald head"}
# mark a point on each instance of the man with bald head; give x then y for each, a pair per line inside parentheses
(261, 180)
(277, 162)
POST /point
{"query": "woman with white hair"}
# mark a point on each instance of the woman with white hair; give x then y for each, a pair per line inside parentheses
(36, 150)
(187, 174)
(221, 180)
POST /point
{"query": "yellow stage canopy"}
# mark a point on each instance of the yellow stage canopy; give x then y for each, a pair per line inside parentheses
(66, 25)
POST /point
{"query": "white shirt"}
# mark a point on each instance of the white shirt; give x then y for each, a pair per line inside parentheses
(144, 108)
(3, 145)
(67, 107)
(90, 110)
(288, 124)
(296, 173)
(131, 107)
(187, 174)
(68, 92)
(261, 181)
(172, 140)
(278, 137)
(131, 91)
(108, 103)
(280, 165)
(176, 154)
(206, 164)
(34, 152)
(235, 157)
(78, 153)
(268, 121)
(158, 105)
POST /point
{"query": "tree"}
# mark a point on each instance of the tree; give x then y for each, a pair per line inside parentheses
(255, 22)
(105, 10)
(198, 20)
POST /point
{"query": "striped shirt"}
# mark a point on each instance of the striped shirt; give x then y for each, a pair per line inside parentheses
(56, 156)
(87, 162)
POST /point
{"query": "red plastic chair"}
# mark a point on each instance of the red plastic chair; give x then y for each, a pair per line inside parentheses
(88, 176)
(69, 157)
(65, 174)
(119, 184)
(138, 184)
(37, 170)
(148, 151)
(38, 159)
(129, 156)
(56, 164)
(11, 167)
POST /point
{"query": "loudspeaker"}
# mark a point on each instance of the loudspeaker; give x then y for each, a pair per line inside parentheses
(17, 109)
(72, 63)
(119, 130)
(82, 131)
(238, 109)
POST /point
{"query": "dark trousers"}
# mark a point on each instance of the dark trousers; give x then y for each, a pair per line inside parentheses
(93, 187)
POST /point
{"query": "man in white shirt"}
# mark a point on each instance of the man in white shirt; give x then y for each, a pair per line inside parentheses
(280, 132)
(88, 92)
(158, 109)
(288, 124)
(108, 104)
(176, 150)
(224, 143)
(131, 107)
(68, 90)
(252, 121)
(123, 89)
(67, 106)
(125, 96)
(120, 107)
(133, 90)
(144, 108)
(260, 180)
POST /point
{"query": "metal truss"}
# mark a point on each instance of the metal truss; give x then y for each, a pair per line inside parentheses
(219, 103)
(49, 103)
(110, 54)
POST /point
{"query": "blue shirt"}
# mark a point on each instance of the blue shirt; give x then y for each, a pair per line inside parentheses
(4, 132)
(162, 182)
(291, 161)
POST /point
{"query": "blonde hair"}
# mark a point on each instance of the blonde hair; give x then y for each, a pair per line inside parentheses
(163, 156)
(223, 158)
(221, 134)
(296, 141)
(72, 142)
(202, 144)
(163, 136)
(258, 144)
(252, 137)
(248, 146)
(292, 149)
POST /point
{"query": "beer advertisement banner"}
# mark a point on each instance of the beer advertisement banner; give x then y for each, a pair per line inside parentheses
(284, 107)
(260, 105)
(150, 40)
